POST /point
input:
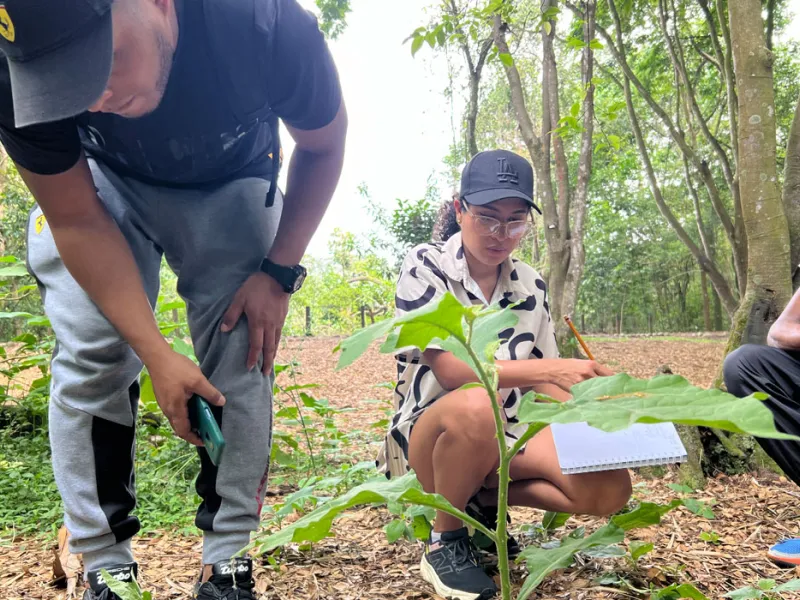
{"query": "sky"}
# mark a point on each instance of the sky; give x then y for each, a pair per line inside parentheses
(400, 120)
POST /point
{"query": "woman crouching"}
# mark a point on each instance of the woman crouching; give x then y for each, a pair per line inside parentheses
(446, 434)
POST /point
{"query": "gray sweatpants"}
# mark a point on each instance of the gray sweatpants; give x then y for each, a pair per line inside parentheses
(213, 240)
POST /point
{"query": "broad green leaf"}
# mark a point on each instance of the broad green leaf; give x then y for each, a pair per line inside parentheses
(395, 530)
(441, 320)
(679, 591)
(617, 402)
(547, 27)
(615, 141)
(506, 59)
(126, 590)
(9, 259)
(541, 562)
(766, 584)
(417, 44)
(147, 394)
(793, 585)
(39, 321)
(421, 527)
(596, 44)
(554, 520)
(639, 549)
(485, 330)
(316, 525)
(645, 515)
(745, 593)
(575, 109)
(15, 270)
(357, 344)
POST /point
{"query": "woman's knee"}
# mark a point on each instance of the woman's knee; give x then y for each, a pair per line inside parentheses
(604, 494)
(473, 417)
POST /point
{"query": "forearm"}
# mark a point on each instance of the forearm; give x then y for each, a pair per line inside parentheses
(313, 176)
(453, 373)
(785, 332)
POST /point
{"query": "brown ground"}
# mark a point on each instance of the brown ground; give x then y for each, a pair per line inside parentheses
(751, 513)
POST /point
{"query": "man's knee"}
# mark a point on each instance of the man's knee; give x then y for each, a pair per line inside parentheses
(739, 365)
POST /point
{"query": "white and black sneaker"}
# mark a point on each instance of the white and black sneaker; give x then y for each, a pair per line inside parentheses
(451, 567)
(230, 580)
(98, 590)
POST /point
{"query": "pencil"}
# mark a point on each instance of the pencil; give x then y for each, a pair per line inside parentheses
(578, 337)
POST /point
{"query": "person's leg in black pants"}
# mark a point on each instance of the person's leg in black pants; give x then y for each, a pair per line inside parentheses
(775, 372)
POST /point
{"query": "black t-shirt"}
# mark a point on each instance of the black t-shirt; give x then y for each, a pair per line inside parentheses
(193, 137)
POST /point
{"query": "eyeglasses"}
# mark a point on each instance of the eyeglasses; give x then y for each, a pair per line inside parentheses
(491, 226)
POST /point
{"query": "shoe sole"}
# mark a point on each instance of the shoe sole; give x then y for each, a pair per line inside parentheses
(784, 562)
(429, 575)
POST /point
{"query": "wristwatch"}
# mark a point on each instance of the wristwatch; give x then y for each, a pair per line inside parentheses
(290, 278)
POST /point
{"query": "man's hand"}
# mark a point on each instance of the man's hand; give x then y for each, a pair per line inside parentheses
(265, 303)
(175, 379)
(566, 372)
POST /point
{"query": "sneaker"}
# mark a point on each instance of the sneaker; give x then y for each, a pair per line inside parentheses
(785, 554)
(230, 580)
(487, 516)
(98, 590)
(451, 567)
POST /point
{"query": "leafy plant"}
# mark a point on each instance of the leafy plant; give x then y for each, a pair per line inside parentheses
(711, 537)
(610, 404)
(765, 588)
(126, 590)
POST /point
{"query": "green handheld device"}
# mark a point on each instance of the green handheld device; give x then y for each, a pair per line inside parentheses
(206, 427)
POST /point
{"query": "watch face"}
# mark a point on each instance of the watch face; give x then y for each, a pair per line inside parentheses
(298, 282)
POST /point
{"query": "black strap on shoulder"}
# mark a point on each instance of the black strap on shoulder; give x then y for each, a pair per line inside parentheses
(237, 46)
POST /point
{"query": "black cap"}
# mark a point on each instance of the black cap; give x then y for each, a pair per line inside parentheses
(497, 174)
(59, 56)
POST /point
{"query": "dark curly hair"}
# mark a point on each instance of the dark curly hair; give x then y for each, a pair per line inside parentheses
(446, 225)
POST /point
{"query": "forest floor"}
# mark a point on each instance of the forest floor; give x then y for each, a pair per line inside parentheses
(751, 512)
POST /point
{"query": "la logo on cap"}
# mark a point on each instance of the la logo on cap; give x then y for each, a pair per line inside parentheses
(506, 174)
(6, 25)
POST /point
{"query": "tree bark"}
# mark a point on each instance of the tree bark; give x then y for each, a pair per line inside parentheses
(706, 303)
(768, 286)
(791, 193)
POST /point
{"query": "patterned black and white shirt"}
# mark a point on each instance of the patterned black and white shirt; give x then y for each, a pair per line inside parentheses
(427, 273)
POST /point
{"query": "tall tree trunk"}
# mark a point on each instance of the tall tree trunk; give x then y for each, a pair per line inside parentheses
(769, 285)
(791, 193)
(706, 303)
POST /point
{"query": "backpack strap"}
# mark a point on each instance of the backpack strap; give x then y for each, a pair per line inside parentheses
(237, 48)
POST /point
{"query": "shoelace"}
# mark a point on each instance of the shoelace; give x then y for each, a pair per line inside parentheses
(463, 554)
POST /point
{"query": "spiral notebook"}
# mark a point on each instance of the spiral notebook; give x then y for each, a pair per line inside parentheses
(582, 449)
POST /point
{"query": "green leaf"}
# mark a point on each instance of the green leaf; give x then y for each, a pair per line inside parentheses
(126, 590)
(698, 508)
(395, 530)
(506, 59)
(793, 585)
(548, 28)
(421, 527)
(639, 549)
(417, 44)
(147, 394)
(681, 489)
(678, 592)
(357, 344)
(745, 593)
(431, 39)
(16, 270)
(645, 515)
(553, 520)
(182, 347)
(39, 321)
(444, 319)
(595, 44)
(617, 402)
(15, 315)
(9, 259)
(766, 584)
(541, 562)
(575, 109)
(315, 525)
(615, 141)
